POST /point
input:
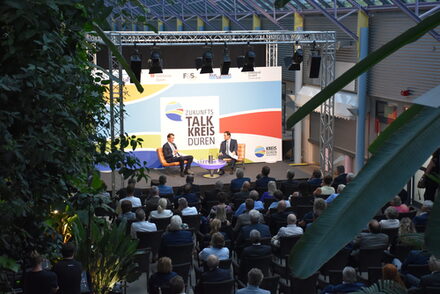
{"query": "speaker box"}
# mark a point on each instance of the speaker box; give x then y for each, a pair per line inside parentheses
(315, 64)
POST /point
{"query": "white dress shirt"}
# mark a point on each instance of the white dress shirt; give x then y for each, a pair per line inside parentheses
(135, 202)
(189, 211)
(144, 226)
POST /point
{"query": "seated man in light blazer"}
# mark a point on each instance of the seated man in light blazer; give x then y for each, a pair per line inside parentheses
(228, 149)
(171, 154)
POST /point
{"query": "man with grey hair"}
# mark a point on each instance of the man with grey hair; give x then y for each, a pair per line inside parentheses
(141, 225)
(254, 217)
(184, 209)
(258, 205)
(349, 283)
(422, 218)
(290, 230)
(290, 185)
(175, 235)
(213, 273)
(239, 197)
(153, 201)
(237, 183)
(392, 221)
(350, 177)
(255, 276)
(256, 249)
(341, 177)
(336, 195)
(430, 280)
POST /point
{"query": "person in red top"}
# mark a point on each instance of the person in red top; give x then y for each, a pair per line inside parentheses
(397, 204)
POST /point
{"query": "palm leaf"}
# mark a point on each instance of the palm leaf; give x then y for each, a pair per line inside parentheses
(382, 177)
(407, 37)
(383, 286)
(432, 233)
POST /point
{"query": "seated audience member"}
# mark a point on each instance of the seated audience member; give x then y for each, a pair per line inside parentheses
(212, 194)
(126, 214)
(258, 205)
(161, 211)
(217, 248)
(336, 195)
(326, 189)
(422, 218)
(430, 280)
(222, 197)
(189, 180)
(390, 273)
(68, 271)
(245, 231)
(164, 189)
(406, 227)
(39, 280)
(290, 230)
(281, 213)
(255, 276)
(215, 226)
(122, 193)
(319, 205)
(244, 218)
(184, 209)
(175, 234)
(163, 275)
(290, 185)
(374, 239)
(256, 249)
(397, 204)
(177, 285)
(349, 283)
(271, 188)
(141, 225)
(135, 201)
(279, 196)
(153, 201)
(237, 183)
(350, 177)
(213, 272)
(392, 221)
(420, 257)
(316, 179)
(341, 177)
(188, 195)
(226, 227)
(240, 197)
(265, 179)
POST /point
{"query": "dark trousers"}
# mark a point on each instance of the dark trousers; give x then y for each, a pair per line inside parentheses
(181, 161)
(431, 188)
(233, 161)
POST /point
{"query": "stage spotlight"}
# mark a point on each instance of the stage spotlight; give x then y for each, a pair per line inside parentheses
(136, 65)
(155, 63)
(249, 60)
(297, 58)
(226, 62)
(315, 63)
(207, 62)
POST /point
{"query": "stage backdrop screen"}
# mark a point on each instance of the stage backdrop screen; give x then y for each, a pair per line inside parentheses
(198, 108)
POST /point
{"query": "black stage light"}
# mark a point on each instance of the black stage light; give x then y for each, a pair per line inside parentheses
(297, 58)
(155, 63)
(249, 60)
(136, 65)
(207, 62)
(226, 62)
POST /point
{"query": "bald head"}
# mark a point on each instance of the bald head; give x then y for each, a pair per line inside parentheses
(212, 261)
(255, 236)
(291, 219)
(281, 206)
(374, 226)
(246, 186)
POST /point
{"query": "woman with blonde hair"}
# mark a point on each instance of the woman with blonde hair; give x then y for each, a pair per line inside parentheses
(161, 211)
(406, 227)
(163, 275)
(271, 188)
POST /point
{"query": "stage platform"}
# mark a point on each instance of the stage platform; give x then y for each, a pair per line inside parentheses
(277, 170)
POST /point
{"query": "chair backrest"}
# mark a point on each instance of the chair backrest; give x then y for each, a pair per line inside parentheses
(418, 270)
(401, 251)
(181, 253)
(142, 257)
(420, 228)
(335, 277)
(182, 270)
(270, 284)
(295, 201)
(303, 286)
(224, 287)
(432, 290)
(337, 262)
(374, 274)
(411, 214)
(268, 202)
(225, 263)
(193, 221)
(161, 156)
(392, 234)
(161, 223)
(370, 258)
(261, 262)
(287, 243)
(241, 152)
(150, 240)
(302, 210)
(275, 225)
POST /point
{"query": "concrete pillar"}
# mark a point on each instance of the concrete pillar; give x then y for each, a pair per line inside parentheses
(298, 133)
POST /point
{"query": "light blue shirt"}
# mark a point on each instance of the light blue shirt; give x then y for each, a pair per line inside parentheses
(165, 190)
(258, 205)
(252, 290)
(331, 197)
(221, 253)
(275, 204)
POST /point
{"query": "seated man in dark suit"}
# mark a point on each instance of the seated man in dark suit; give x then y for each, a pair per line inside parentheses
(188, 195)
(280, 214)
(214, 273)
(372, 240)
(349, 283)
(189, 180)
(244, 219)
(171, 154)
(228, 149)
(431, 280)
(262, 182)
(211, 195)
(239, 197)
(415, 257)
(341, 177)
(254, 250)
(175, 235)
(422, 218)
(290, 185)
(245, 231)
(237, 183)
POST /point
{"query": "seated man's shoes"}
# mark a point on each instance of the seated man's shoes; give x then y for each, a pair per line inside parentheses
(221, 172)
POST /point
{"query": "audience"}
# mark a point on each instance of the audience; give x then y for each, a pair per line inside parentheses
(39, 280)
(422, 218)
(244, 218)
(349, 178)
(239, 197)
(326, 189)
(153, 201)
(341, 177)
(245, 231)
(215, 226)
(189, 180)
(68, 271)
(177, 285)
(279, 196)
(212, 194)
(190, 196)
(256, 249)
(316, 179)
(392, 221)
(290, 230)
(290, 185)
(126, 214)
(161, 211)
(271, 188)
(163, 275)
(281, 213)
(175, 234)
(255, 276)
(258, 205)
(420, 257)
(135, 201)
(319, 205)
(264, 179)
(349, 283)
(397, 204)
(184, 209)
(336, 195)
(430, 280)
(164, 189)
(237, 183)
(222, 197)
(217, 248)
(373, 239)
(141, 225)
(389, 272)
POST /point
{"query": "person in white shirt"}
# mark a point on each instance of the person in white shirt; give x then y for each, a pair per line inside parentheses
(326, 189)
(217, 248)
(135, 201)
(161, 211)
(184, 209)
(141, 225)
(290, 230)
(392, 221)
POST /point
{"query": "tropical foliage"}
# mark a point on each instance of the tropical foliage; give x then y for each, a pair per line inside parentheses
(383, 286)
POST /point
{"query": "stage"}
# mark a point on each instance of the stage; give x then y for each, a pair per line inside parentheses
(278, 171)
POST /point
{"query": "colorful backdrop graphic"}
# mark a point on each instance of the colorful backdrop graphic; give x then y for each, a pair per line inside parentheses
(249, 107)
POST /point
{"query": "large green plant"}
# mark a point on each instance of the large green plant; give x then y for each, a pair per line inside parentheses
(397, 154)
